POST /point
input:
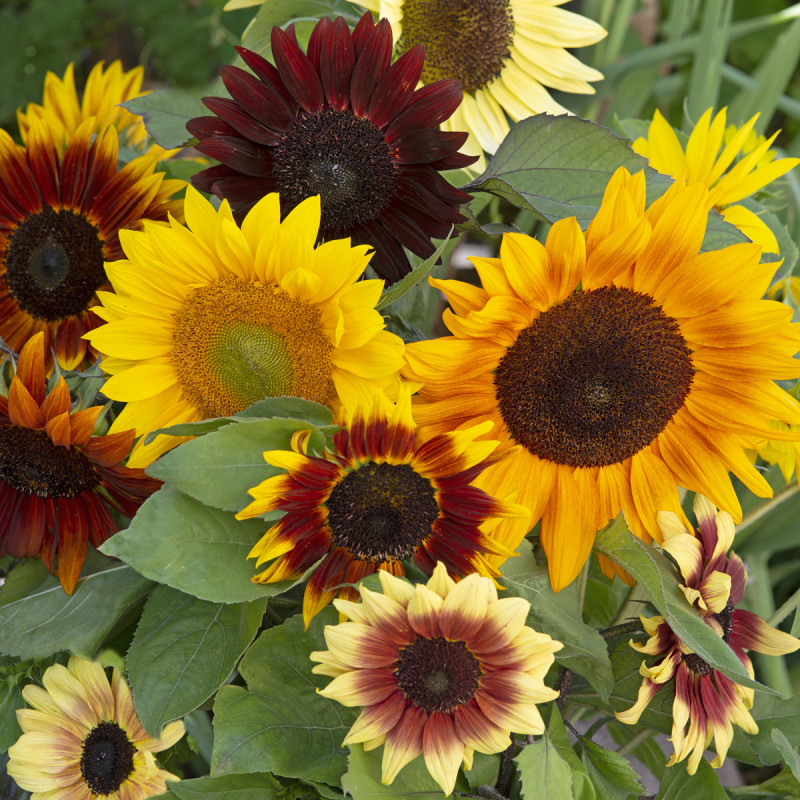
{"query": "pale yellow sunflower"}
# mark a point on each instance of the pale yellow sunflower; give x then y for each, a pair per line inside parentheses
(82, 739)
(709, 158)
(211, 317)
(625, 363)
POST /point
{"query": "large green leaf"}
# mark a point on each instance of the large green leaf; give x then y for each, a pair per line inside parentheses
(10, 700)
(677, 784)
(218, 469)
(612, 775)
(280, 724)
(543, 773)
(659, 579)
(253, 786)
(557, 614)
(175, 539)
(582, 786)
(184, 650)
(46, 620)
(165, 114)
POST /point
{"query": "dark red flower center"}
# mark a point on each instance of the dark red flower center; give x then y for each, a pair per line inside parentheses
(342, 158)
(381, 512)
(32, 464)
(437, 675)
(107, 758)
(469, 40)
(594, 379)
(54, 264)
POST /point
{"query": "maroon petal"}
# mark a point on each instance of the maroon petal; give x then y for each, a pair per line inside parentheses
(257, 98)
(243, 156)
(428, 108)
(299, 76)
(395, 87)
(241, 122)
(205, 179)
(208, 127)
(372, 62)
(362, 32)
(319, 41)
(390, 260)
(424, 146)
(336, 65)
(403, 228)
(272, 80)
(243, 192)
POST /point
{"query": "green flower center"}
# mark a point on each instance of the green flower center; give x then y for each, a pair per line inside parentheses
(107, 758)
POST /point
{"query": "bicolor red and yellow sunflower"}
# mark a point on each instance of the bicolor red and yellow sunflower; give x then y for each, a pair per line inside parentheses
(59, 484)
(442, 669)
(343, 122)
(620, 364)
(377, 498)
(714, 582)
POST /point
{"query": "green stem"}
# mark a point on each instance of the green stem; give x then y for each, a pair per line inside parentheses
(784, 611)
(583, 577)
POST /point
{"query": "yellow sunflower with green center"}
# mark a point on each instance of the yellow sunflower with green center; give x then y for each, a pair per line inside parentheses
(211, 317)
(709, 158)
(623, 361)
(506, 53)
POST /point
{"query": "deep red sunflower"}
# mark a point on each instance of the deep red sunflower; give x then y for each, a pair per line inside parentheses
(59, 221)
(58, 483)
(378, 498)
(343, 122)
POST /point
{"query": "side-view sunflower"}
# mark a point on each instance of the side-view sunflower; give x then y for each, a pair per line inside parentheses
(377, 498)
(60, 218)
(442, 669)
(59, 484)
(705, 700)
(709, 158)
(623, 362)
(82, 739)
(211, 317)
(62, 112)
(505, 53)
(343, 122)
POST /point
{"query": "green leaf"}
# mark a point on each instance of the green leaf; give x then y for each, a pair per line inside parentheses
(184, 650)
(175, 539)
(778, 787)
(557, 614)
(612, 775)
(47, 620)
(10, 701)
(484, 772)
(280, 724)
(677, 784)
(543, 773)
(219, 468)
(253, 786)
(582, 786)
(659, 579)
(165, 114)
(771, 713)
(787, 751)
(363, 778)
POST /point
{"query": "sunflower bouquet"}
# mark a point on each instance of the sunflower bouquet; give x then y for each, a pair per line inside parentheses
(408, 409)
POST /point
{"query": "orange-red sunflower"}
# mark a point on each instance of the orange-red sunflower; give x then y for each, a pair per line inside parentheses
(58, 483)
(60, 219)
(623, 362)
(377, 498)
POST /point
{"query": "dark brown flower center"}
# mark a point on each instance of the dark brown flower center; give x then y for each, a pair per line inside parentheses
(594, 379)
(697, 664)
(54, 264)
(342, 158)
(107, 758)
(31, 463)
(382, 512)
(437, 675)
(469, 40)
(725, 620)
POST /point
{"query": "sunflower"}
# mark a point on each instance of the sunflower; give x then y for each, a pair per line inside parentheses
(209, 318)
(376, 499)
(82, 739)
(714, 584)
(60, 219)
(442, 669)
(62, 113)
(59, 484)
(785, 454)
(505, 53)
(710, 152)
(624, 362)
(344, 123)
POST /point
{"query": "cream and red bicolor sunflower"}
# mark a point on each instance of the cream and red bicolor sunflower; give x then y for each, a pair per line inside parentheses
(377, 498)
(621, 364)
(442, 669)
(706, 701)
(505, 53)
(343, 122)
(61, 211)
(733, 159)
(209, 318)
(82, 739)
(59, 484)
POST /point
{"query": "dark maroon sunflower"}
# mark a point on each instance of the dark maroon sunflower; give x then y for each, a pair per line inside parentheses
(343, 122)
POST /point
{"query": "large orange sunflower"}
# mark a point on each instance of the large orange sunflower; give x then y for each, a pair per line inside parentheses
(624, 362)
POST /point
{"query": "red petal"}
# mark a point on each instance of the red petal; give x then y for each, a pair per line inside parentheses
(257, 98)
(30, 368)
(429, 107)
(371, 64)
(396, 86)
(336, 65)
(297, 72)
(239, 154)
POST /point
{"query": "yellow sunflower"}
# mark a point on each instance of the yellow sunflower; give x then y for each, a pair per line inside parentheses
(82, 739)
(709, 158)
(506, 53)
(623, 361)
(210, 317)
